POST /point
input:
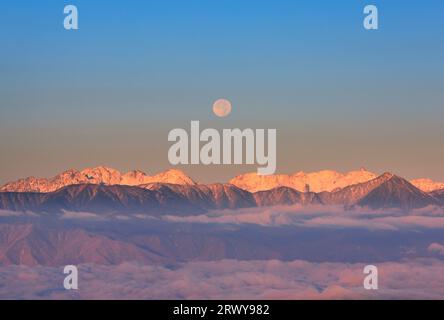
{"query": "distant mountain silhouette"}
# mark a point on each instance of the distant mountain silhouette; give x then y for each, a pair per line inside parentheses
(28, 244)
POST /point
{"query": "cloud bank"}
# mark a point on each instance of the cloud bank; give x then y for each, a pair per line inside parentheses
(314, 216)
(321, 216)
(228, 279)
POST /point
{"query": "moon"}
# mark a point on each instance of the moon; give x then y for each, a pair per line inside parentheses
(222, 108)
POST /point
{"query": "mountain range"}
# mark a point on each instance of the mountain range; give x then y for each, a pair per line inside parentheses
(99, 175)
(105, 190)
(326, 180)
(53, 238)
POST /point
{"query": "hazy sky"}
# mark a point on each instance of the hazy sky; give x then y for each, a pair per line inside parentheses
(108, 94)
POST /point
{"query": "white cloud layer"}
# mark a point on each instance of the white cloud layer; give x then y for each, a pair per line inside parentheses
(314, 216)
(228, 279)
(322, 216)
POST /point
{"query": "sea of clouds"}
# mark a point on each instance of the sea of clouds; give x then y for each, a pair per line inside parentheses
(405, 277)
(228, 279)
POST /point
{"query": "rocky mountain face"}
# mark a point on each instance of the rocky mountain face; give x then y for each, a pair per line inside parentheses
(285, 196)
(99, 175)
(150, 199)
(351, 195)
(211, 196)
(304, 182)
(98, 199)
(396, 192)
(385, 191)
(438, 195)
(322, 181)
(427, 185)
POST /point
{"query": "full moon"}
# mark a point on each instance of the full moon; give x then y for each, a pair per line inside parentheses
(222, 108)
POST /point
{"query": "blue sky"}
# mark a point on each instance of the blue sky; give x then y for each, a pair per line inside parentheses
(341, 97)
